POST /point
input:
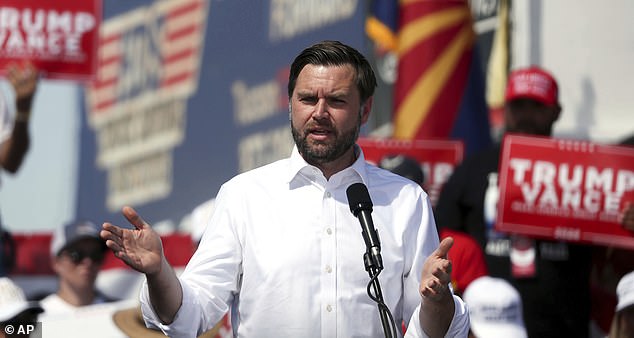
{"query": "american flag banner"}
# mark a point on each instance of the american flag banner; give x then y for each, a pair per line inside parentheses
(439, 92)
(148, 65)
(167, 39)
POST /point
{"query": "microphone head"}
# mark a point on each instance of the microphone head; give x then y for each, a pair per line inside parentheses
(358, 198)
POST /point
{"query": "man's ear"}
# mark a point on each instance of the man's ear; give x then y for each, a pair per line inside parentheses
(54, 264)
(366, 108)
(556, 112)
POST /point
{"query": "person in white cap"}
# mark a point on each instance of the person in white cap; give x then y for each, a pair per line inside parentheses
(15, 311)
(623, 321)
(495, 309)
(77, 253)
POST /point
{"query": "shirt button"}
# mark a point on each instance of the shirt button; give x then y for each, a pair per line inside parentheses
(328, 269)
(329, 308)
(329, 231)
(328, 194)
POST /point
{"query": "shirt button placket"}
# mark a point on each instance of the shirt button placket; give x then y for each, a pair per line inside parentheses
(328, 278)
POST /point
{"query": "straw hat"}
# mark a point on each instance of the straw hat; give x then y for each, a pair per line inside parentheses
(130, 321)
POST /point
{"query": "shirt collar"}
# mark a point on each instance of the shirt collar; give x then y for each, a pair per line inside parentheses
(297, 163)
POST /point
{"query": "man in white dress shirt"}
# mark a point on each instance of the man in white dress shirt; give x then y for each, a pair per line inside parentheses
(282, 247)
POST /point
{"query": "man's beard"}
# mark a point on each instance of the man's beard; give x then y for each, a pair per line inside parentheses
(318, 152)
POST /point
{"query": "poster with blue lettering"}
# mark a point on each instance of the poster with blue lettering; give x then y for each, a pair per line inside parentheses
(189, 93)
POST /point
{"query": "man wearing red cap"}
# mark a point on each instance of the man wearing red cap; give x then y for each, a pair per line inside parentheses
(555, 291)
(531, 102)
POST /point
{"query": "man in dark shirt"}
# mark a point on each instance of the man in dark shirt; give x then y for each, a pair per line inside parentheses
(552, 277)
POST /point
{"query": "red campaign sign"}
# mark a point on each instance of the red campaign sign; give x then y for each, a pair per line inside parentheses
(565, 190)
(59, 37)
(438, 158)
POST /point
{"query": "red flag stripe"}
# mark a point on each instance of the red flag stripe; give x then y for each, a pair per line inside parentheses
(183, 32)
(415, 105)
(178, 78)
(106, 39)
(182, 54)
(193, 6)
(420, 58)
(419, 22)
(443, 112)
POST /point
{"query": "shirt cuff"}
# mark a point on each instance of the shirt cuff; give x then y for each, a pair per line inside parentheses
(181, 326)
(459, 323)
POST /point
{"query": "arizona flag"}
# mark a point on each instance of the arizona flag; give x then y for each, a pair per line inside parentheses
(440, 91)
(382, 23)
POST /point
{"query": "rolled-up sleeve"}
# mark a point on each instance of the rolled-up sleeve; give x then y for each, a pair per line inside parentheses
(459, 324)
(185, 322)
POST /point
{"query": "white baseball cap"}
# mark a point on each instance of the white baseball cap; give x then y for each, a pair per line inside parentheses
(495, 308)
(13, 302)
(625, 292)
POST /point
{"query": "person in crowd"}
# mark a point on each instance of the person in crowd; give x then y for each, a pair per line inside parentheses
(282, 245)
(552, 277)
(18, 316)
(627, 216)
(623, 321)
(609, 265)
(405, 166)
(466, 256)
(77, 253)
(14, 133)
(495, 309)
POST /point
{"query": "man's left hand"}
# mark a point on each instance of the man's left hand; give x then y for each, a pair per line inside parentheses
(436, 276)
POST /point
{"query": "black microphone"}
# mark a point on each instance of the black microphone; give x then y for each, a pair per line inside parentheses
(361, 207)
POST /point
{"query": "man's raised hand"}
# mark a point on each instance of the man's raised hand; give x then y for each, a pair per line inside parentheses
(140, 247)
(436, 276)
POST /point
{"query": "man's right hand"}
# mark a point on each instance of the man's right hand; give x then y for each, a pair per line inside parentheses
(140, 248)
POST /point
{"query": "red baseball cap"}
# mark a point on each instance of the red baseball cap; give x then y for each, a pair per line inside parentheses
(532, 83)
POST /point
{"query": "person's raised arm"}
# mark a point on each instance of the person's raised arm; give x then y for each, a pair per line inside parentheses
(437, 304)
(24, 82)
(141, 249)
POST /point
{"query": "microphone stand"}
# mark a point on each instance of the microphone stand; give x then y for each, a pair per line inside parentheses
(361, 207)
(373, 267)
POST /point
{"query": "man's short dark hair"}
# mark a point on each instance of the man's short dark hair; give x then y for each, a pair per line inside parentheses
(335, 53)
